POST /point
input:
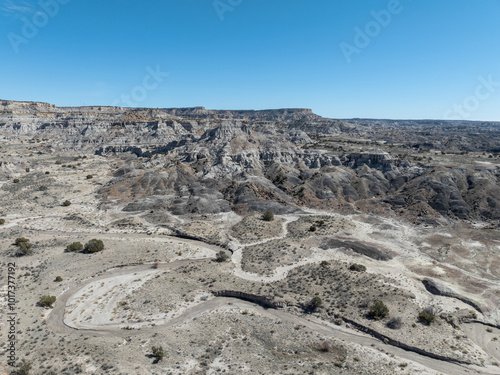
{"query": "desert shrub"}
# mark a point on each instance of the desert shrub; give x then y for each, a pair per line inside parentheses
(312, 228)
(158, 353)
(75, 246)
(58, 162)
(58, 279)
(324, 347)
(24, 247)
(378, 310)
(89, 176)
(357, 267)
(2, 221)
(46, 301)
(43, 188)
(395, 323)
(426, 316)
(27, 170)
(93, 246)
(67, 203)
(221, 256)
(21, 240)
(15, 180)
(268, 216)
(47, 172)
(314, 304)
(23, 368)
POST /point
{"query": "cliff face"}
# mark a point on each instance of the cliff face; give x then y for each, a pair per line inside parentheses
(215, 160)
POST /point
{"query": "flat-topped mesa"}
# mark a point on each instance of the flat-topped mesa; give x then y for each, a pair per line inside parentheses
(265, 114)
(17, 105)
(92, 109)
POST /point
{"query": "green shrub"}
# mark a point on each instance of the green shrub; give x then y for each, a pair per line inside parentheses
(93, 246)
(395, 323)
(24, 247)
(75, 246)
(426, 317)
(378, 310)
(27, 170)
(15, 180)
(89, 176)
(46, 301)
(158, 353)
(312, 228)
(2, 221)
(58, 279)
(67, 203)
(324, 347)
(58, 162)
(314, 304)
(221, 256)
(357, 267)
(47, 172)
(21, 240)
(268, 216)
(23, 368)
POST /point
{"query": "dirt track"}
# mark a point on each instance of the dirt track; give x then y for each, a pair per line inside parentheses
(55, 322)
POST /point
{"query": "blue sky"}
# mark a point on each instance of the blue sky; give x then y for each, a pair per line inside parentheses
(342, 58)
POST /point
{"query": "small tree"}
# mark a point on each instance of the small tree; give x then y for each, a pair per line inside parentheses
(158, 353)
(93, 246)
(268, 216)
(46, 301)
(75, 246)
(221, 256)
(312, 228)
(378, 310)
(67, 203)
(314, 304)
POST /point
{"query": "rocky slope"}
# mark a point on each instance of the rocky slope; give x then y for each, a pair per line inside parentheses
(194, 160)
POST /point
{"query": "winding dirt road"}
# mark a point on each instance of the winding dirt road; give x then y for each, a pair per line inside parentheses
(55, 321)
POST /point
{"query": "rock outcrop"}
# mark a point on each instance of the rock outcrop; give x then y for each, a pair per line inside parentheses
(194, 160)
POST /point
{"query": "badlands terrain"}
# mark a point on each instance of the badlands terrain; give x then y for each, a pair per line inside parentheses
(365, 213)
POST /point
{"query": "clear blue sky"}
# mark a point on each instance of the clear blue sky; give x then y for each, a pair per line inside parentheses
(425, 62)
